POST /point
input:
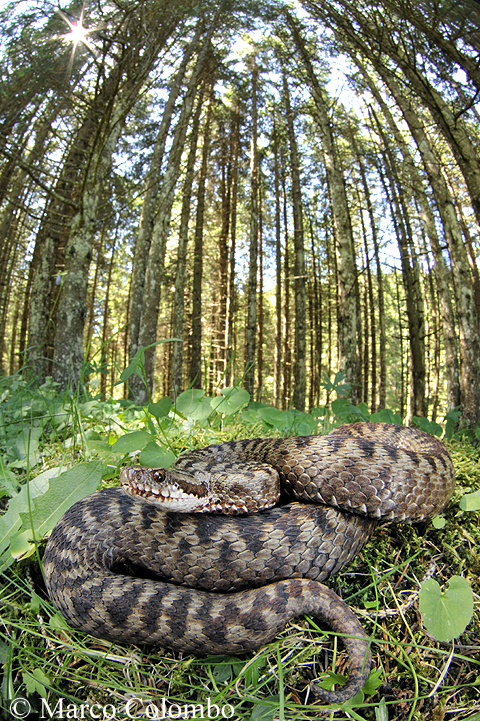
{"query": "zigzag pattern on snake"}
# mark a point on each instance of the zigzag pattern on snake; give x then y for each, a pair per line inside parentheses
(121, 568)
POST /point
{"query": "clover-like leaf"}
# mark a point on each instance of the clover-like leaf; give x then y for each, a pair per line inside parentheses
(130, 442)
(446, 614)
(155, 456)
(470, 501)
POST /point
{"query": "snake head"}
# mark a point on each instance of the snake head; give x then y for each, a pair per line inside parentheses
(253, 489)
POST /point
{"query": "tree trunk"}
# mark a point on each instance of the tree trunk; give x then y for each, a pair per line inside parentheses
(179, 298)
(251, 328)
(154, 275)
(299, 261)
(277, 362)
(147, 217)
(347, 308)
(231, 306)
(196, 339)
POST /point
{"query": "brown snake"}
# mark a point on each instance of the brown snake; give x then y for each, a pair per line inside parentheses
(115, 561)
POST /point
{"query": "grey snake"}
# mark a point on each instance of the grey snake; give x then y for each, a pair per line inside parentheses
(120, 566)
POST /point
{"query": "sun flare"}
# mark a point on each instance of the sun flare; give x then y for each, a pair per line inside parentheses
(78, 32)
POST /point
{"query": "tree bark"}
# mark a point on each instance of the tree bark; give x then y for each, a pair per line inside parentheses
(251, 328)
(179, 298)
(347, 308)
(153, 186)
(196, 339)
(299, 389)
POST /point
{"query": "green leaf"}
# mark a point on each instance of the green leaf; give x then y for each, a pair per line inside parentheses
(386, 416)
(373, 682)
(21, 545)
(155, 456)
(193, 404)
(273, 416)
(24, 449)
(130, 442)
(230, 401)
(428, 426)
(63, 492)
(8, 483)
(10, 522)
(439, 522)
(381, 711)
(136, 364)
(470, 502)
(36, 681)
(161, 408)
(446, 615)
(133, 368)
(265, 712)
(187, 400)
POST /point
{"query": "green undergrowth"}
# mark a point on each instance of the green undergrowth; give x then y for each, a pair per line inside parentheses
(56, 448)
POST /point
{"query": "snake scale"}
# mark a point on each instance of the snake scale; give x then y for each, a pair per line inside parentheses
(129, 567)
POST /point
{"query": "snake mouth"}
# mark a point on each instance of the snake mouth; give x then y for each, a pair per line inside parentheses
(154, 485)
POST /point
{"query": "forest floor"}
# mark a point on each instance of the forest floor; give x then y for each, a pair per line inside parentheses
(53, 671)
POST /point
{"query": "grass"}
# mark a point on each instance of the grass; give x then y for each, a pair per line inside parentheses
(63, 673)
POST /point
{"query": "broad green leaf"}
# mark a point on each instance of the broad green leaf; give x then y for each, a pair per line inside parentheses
(446, 614)
(319, 411)
(300, 423)
(10, 522)
(161, 408)
(21, 545)
(231, 400)
(23, 451)
(439, 522)
(470, 502)
(386, 416)
(155, 456)
(130, 442)
(273, 417)
(63, 492)
(8, 483)
(428, 426)
(188, 401)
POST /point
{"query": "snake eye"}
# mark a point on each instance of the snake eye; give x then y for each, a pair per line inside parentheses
(159, 476)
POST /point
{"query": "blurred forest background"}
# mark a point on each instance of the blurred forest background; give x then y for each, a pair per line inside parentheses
(287, 189)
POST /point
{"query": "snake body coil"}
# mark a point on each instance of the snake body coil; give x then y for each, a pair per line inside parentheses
(120, 567)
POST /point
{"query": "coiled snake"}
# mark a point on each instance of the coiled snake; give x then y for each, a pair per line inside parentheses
(115, 562)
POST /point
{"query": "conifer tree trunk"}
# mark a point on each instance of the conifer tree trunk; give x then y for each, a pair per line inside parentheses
(278, 355)
(54, 227)
(196, 339)
(111, 104)
(287, 352)
(156, 258)
(413, 296)
(299, 261)
(227, 160)
(179, 298)
(230, 307)
(150, 200)
(465, 310)
(251, 327)
(378, 390)
(260, 327)
(347, 308)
